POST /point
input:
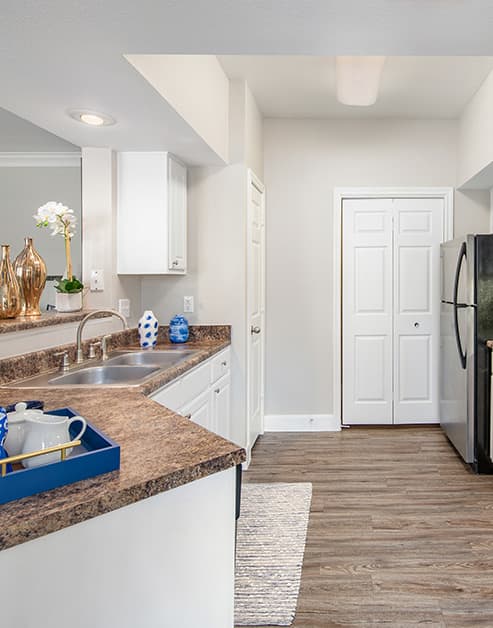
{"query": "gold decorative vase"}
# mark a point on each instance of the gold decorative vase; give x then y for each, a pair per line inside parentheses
(30, 271)
(10, 294)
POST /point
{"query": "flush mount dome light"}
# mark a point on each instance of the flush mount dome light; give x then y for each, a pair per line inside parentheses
(92, 118)
(358, 80)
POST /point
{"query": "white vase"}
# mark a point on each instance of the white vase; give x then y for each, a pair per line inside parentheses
(68, 302)
(148, 328)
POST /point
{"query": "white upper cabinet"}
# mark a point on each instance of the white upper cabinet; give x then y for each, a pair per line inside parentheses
(151, 214)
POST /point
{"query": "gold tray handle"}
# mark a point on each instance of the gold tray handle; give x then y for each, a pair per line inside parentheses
(49, 450)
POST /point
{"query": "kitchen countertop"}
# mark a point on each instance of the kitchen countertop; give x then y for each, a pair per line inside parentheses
(47, 319)
(160, 450)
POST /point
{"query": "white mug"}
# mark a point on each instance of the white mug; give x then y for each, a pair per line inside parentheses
(47, 431)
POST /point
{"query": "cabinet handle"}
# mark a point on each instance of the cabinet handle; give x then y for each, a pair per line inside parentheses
(224, 364)
(217, 391)
(188, 416)
(175, 263)
(255, 330)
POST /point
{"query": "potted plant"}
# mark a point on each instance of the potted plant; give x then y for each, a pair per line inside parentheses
(62, 221)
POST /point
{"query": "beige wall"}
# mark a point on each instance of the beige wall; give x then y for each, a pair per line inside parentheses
(216, 271)
(254, 135)
(476, 138)
(99, 233)
(246, 129)
(304, 161)
(198, 90)
(216, 276)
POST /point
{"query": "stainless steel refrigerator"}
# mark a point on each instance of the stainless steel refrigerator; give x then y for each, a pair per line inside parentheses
(466, 322)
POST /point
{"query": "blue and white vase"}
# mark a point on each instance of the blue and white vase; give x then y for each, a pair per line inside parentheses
(178, 329)
(148, 328)
(4, 428)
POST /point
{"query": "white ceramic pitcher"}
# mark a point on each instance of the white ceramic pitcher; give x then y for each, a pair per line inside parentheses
(18, 427)
(46, 431)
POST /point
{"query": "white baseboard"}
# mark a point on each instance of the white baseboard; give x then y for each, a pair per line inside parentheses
(301, 423)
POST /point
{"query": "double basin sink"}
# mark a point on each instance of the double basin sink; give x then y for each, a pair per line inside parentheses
(123, 368)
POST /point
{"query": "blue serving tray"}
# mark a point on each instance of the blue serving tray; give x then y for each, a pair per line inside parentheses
(98, 454)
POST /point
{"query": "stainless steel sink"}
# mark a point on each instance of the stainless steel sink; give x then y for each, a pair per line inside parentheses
(124, 368)
(104, 376)
(162, 359)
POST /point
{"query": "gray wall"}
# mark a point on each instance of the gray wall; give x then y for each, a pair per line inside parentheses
(22, 191)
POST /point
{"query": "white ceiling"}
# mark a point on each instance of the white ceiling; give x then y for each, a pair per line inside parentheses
(19, 136)
(411, 87)
(67, 54)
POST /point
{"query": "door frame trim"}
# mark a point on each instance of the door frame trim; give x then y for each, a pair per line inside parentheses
(252, 179)
(340, 194)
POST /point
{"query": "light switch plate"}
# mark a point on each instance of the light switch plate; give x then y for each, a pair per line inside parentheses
(97, 280)
(188, 304)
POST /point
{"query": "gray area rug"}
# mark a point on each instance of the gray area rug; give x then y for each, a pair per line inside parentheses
(269, 553)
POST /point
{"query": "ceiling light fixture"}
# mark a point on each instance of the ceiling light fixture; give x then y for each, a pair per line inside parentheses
(358, 80)
(92, 118)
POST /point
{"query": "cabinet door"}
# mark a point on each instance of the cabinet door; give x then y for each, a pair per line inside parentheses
(200, 411)
(142, 223)
(172, 397)
(177, 216)
(221, 401)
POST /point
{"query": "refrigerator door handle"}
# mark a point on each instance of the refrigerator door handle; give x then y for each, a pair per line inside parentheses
(457, 306)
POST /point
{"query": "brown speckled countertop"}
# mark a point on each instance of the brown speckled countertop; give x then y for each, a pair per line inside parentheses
(171, 449)
(46, 319)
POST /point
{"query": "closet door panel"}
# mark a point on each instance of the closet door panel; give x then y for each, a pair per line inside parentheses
(367, 311)
(417, 235)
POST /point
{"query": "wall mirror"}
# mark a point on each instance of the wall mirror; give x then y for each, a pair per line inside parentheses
(36, 167)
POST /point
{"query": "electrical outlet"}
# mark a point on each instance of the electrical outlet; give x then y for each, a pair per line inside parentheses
(124, 307)
(97, 280)
(188, 304)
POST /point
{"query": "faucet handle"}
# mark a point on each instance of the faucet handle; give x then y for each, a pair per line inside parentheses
(65, 363)
(92, 349)
(104, 346)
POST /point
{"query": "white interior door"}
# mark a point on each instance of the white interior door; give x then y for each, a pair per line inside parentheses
(418, 229)
(256, 307)
(367, 311)
(391, 310)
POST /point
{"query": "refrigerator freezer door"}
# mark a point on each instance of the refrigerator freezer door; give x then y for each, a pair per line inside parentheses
(451, 259)
(454, 381)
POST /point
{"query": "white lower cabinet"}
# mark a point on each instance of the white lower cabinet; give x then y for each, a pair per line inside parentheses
(203, 394)
(200, 411)
(221, 407)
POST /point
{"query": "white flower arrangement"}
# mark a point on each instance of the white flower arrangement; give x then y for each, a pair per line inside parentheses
(62, 221)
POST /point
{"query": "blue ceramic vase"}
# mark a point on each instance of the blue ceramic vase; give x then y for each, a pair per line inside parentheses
(178, 329)
(4, 428)
(148, 328)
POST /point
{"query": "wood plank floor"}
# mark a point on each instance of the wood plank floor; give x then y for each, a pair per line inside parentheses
(400, 531)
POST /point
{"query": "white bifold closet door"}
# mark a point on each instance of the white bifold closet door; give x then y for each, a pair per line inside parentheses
(391, 310)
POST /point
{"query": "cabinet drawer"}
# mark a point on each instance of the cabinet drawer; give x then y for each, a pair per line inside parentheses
(196, 382)
(172, 396)
(221, 364)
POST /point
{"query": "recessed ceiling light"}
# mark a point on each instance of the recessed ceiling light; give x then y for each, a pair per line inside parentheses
(92, 118)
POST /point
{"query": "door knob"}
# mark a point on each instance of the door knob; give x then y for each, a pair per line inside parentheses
(255, 330)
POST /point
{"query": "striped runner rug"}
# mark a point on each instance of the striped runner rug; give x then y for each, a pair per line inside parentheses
(269, 552)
